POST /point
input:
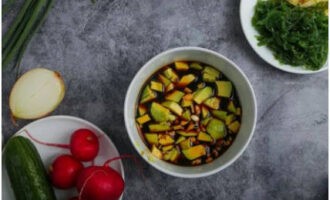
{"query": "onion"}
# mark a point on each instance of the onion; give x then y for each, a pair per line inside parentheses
(36, 93)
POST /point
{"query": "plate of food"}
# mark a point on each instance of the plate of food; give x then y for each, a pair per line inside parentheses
(291, 35)
(61, 157)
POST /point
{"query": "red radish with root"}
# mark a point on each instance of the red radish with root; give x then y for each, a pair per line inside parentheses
(84, 144)
(64, 171)
(101, 182)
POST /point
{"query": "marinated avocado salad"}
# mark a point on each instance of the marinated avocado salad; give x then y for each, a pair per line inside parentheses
(188, 113)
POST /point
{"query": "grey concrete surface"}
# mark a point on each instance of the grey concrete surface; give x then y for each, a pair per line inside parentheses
(98, 49)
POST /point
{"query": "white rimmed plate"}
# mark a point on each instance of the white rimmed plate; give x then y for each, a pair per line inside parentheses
(246, 14)
(58, 129)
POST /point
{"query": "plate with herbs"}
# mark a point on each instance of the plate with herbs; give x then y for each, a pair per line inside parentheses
(291, 35)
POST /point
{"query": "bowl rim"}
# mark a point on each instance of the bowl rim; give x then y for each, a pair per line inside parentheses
(154, 164)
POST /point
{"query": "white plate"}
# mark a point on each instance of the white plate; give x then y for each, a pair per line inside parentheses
(246, 14)
(58, 129)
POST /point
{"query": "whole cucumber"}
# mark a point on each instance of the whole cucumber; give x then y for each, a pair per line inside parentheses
(27, 174)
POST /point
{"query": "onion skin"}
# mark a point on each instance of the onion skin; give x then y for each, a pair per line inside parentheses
(100, 183)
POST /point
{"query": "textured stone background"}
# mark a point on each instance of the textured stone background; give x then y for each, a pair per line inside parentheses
(98, 49)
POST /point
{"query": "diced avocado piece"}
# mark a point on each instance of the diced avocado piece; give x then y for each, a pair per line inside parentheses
(202, 136)
(216, 129)
(220, 114)
(181, 66)
(224, 88)
(159, 127)
(206, 121)
(142, 109)
(209, 78)
(234, 127)
(178, 127)
(147, 95)
(194, 152)
(238, 111)
(173, 106)
(175, 96)
(174, 154)
(143, 119)
(167, 155)
(202, 94)
(169, 88)
(156, 86)
(212, 102)
(167, 148)
(180, 139)
(229, 119)
(156, 152)
(210, 74)
(159, 113)
(211, 70)
(186, 144)
(205, 112)
(165, 139)
(196, 66)
(186, 103)
(164, 80)
(152, 138)
(186, 80)
(170, 74)
(231, 107)
(187, 133)
(186, 115)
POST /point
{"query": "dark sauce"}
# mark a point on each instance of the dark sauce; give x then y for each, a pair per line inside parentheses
(213, 149)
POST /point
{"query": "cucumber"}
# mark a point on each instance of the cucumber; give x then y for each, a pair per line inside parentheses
(27, 174)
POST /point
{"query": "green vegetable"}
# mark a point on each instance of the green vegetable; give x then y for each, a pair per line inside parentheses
(26, 171)
(202, 94)
(196, 66)
(220, 114)
(194, 152)
(224, 88)
(173, 106)
(147, 95)
(159, 127)
(160, 114)
(176, 96)
(210, 74)
(152, 138)
(297, 36)
(27, 22)
(216, 129)
(204, 137)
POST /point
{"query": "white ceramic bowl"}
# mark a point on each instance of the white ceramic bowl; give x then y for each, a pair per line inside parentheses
(244, 91)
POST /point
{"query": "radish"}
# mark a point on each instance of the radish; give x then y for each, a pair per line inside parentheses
(84, 144)
(64, 171)
(101, 182)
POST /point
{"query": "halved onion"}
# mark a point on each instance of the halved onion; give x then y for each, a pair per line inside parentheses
(36, 93)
